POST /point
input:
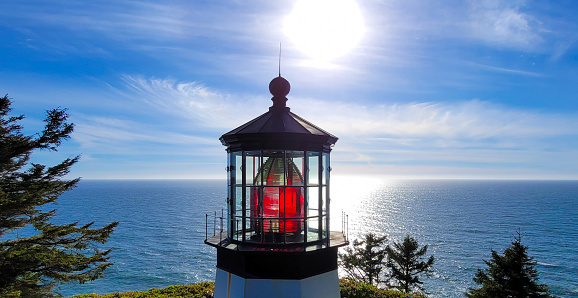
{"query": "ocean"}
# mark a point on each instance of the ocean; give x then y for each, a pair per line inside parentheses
(159, 241)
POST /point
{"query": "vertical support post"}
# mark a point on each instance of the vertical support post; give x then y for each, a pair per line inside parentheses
(232, 200)
(237, 225)
(284, 190)
(347, 237)
(326, 169)
(244, 192)
(305, 195)
(260, 195)
(320, 194)
(271, 230)
(221, 232)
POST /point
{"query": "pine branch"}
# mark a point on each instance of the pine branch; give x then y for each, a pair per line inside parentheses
(31, 266)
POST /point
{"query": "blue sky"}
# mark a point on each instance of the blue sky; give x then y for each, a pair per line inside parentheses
(434, 89)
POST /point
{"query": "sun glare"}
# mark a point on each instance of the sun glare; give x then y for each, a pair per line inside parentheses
(324, 29)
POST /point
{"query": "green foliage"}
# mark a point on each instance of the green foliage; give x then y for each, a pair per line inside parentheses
(32, 266)
(364, 262)
(200, 290)
(509, 275)
(354, 289)
(405, 264)
(349, 289)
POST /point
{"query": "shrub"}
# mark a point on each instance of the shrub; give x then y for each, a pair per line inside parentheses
(199, 290)
(353, 289)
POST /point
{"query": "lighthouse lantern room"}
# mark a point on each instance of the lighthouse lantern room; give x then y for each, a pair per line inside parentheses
(275, 239)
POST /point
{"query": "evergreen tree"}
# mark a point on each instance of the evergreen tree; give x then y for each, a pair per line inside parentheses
(364, 262)
(406, 266)
(509, 275)
(49, 254)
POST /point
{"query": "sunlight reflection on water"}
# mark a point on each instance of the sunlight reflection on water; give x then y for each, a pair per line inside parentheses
(461, 221)
(160, 239)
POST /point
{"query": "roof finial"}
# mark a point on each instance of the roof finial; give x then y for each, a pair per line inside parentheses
(279, 87)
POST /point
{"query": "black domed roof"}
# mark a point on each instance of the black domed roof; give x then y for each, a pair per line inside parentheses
(278, 129)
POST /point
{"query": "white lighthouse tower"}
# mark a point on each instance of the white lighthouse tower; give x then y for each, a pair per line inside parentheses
(275, 240)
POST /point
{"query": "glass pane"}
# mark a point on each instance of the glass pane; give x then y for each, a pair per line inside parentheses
(237, 227)
(256, 207)
(230, 194)
(312, 229)
(271, 201)
(313, 170)
(291, 205)
(238, 167)
(261, 178)
(229, 168)
(325, 172)
(238, 201)
(238, 212)
(270, 208)
(230, 210)
(313, 201)
(324, 202)
(297, 235)
(325, 231)
(247, 202)
(234, 166)
(252, 166)
(232, 179)
(294, 167)
(273, 170)
(247, 222)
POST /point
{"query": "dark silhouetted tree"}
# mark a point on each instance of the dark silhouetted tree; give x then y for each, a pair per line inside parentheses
(404, 261)
(35, 254)
(364, 261)
(512, 274)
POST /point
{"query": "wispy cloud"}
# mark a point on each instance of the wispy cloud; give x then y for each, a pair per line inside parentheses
(562, 47)
(505, 70)
(180, 121)
(169, 117)
(457, 124)
(504, 23)
(107, 135)
(130, 20)
(472, 119)
(143, 22)
(194, 102)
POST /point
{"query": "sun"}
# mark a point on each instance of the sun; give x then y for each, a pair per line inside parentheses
(325, 29)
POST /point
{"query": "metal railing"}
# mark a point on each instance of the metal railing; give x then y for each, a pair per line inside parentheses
(271, 230)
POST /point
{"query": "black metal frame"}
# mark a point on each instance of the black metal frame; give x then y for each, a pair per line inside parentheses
(245, 234)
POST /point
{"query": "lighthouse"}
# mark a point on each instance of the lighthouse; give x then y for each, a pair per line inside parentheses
(275, 238)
